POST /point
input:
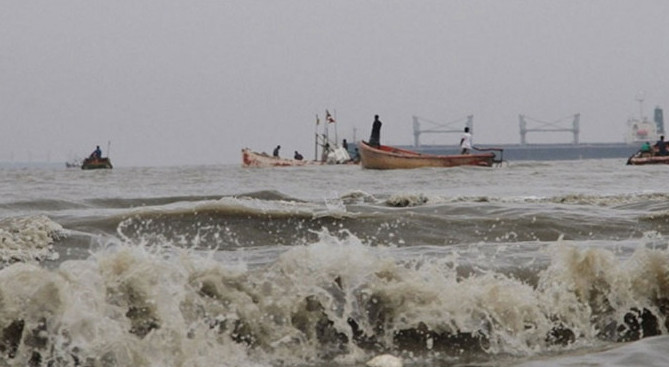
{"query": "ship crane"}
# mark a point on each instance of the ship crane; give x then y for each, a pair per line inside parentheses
(439, 128)
(555, 126)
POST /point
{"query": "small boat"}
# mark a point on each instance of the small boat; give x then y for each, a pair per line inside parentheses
(251, 158)
(255, 159)
(96, 163)
(641, 158)
(73, 164)
(387, 157)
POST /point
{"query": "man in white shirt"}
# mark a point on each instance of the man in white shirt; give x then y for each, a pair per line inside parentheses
(466, 142)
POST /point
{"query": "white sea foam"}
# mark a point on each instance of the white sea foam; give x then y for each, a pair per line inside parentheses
(28, 238)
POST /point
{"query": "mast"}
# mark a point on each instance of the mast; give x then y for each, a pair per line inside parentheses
(316, 138)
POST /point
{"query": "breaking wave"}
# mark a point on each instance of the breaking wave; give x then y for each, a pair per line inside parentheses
(331, 300)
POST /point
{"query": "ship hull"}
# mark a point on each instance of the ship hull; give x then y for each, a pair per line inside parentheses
(544, 152)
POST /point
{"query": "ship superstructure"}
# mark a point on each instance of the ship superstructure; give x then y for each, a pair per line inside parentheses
(640, 129)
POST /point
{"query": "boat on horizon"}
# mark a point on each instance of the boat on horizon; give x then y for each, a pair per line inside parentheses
(637, 160)
(252, 158)
(96, 163)
(387, 157)
(648, 157)
(73, 164)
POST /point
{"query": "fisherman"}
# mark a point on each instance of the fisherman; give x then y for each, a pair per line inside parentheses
(661, 146)
(298, 156)
(466, 142)
(375, 138)
(646, 150)
(276, 151)
(97, 153)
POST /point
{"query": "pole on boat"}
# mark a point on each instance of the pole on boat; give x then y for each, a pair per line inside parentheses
(335, 124)
(327, 128)
(108, 148)
(316, 138)
(326, 137)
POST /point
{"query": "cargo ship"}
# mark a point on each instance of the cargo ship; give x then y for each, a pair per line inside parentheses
(639, 130)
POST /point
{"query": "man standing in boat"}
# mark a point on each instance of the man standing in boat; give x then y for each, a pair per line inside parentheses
(276, 151)
(466, 142)
(661, 146)
(375, 138)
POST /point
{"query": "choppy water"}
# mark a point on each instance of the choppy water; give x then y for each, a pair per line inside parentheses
(531, 264)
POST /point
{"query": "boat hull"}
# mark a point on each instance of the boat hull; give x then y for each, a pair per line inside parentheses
(641, 160)
(386, 157)
(96, 163)
(255, 159)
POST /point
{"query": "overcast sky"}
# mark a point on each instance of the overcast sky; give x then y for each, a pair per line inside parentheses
(195, 81)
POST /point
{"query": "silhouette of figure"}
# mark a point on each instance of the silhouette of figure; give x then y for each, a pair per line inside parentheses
(661, 146)
(97, 153)
(276, 151)
(375, 138)
(298, 156)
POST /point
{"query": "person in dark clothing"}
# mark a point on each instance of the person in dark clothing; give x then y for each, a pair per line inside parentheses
(661, 146)
(344, 144)
(276, 151)
(97, 153)
(298, 156)
(375, 138)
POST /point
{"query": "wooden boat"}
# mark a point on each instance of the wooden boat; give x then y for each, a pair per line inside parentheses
(255, 159)
(641, 158)
(387, 157)
(96, 163)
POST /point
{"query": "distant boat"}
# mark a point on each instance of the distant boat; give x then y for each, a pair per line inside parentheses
(251, 158)
(387, 157)
(255, 159)
(73, 164)
(642, 158)
(96, 163)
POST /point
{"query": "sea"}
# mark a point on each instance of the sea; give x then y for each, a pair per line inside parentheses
(532, 263)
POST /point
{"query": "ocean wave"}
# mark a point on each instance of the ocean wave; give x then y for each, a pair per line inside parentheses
(334, 299)
(41, 205)
(643, 201)
(619, 200)
(120, 203)
(404, 200)
(358, 197)
(230, 222)
(406, 219)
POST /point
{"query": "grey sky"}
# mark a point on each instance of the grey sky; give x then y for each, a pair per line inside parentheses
(193, 82)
